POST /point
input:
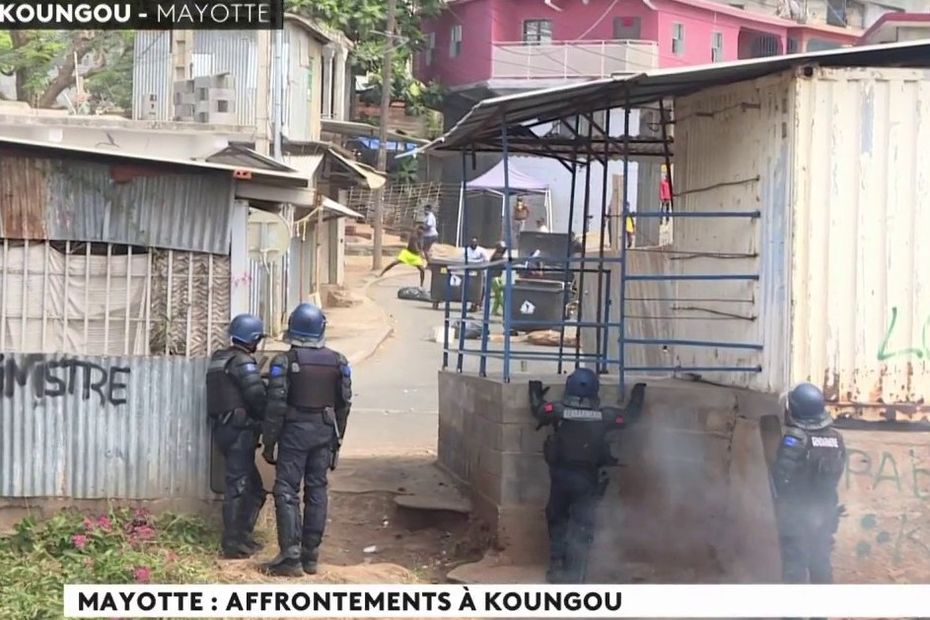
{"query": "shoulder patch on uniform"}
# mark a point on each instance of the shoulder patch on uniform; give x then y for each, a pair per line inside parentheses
(791, 441)
(346, 370)
(250, 367)
(276, 371)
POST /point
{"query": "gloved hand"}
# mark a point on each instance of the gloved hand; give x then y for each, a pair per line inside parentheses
(268, 455)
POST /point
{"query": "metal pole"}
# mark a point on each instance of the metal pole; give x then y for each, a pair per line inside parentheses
(386, 80)
(508, 279)
(600, 266)
(584, 243)
(568, 250)
(623, 253)
(460, 361)
(278, 90)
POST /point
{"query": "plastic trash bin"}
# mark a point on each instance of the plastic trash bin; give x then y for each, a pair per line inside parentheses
(441, 291)
(537, 305)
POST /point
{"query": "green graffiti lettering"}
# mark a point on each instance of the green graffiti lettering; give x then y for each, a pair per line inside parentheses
(917, 473)
(918, 352)
(864, 461)
(879, 478)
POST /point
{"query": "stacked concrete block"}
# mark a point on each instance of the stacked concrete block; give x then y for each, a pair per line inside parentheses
(208, 99)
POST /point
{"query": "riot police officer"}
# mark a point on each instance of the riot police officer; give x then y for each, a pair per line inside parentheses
(235, 405)
(808, 466)
(309, 398)
(575, 454)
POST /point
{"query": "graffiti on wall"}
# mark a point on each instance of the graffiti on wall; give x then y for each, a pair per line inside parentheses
(887, 492)
(920, 352)
(42, 377)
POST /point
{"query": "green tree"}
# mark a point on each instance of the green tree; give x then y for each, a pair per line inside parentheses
(43, 62)
(365, 23)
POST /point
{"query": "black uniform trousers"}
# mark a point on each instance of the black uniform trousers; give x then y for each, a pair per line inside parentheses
(244, 494)
(573, 495)
(805, 533)
(305, 451)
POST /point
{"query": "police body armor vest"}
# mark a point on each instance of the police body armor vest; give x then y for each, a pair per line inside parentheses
(223, 394)
(314, 377)
(579, 437)
(823, 467)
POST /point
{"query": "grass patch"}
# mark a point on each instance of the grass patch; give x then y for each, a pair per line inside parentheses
(122, 546)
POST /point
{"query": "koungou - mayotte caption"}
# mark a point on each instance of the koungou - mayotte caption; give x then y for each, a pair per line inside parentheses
(142, 15)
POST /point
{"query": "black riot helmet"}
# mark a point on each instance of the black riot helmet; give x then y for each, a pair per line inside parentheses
(306, 326)
(806, 407)
(582, 388)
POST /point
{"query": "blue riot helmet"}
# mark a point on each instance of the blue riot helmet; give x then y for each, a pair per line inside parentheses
(807, 407)
(246, 330)
(306, 325)
(582, 387)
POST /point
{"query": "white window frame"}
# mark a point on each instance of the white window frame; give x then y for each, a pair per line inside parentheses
(430, 46)
(678, 39)
(455, 41)
(716, 47)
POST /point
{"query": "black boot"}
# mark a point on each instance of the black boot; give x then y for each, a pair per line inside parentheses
(251, 519)
(556, 571)
(234, 545)
(308, 559)
(287, 562)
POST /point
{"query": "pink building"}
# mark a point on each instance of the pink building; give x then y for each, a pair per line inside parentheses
(506, 45)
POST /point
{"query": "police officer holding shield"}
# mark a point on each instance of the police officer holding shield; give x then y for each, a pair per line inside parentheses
(575, 452)
(235, 406)
(808, 466)
(309, 398)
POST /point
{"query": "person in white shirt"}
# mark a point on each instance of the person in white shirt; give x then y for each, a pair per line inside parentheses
(430, 231)
(475, 253)
(541, 226)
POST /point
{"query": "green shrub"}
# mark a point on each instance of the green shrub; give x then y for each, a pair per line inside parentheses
(123, 546)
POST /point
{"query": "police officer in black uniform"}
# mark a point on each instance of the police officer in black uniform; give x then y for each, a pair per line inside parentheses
(808, 466)
(575, 453)
(235, 405)
(309, 398)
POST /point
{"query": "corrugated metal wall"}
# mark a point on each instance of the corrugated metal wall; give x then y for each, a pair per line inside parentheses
(103, 427)
(59, 199)
(732, 154)
(151, 76)
(860, 292)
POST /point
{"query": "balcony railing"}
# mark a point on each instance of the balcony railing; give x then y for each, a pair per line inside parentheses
(572, 59)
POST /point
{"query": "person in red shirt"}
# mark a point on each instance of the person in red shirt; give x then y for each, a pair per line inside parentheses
(665, 196)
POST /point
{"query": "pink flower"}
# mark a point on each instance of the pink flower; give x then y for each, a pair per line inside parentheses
(142, 574)
(104, 523)
(142, 533)
(88, 525)
(79, 541)
(141, 514)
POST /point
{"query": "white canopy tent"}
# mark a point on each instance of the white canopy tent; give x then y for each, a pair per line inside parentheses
(492, 182)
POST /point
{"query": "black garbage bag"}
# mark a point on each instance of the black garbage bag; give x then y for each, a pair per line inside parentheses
(472, 330)
(413, 293)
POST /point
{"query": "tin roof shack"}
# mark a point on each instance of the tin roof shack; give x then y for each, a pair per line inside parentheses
(118, 275)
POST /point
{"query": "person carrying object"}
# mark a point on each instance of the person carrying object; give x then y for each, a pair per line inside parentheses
(576, 451)
(235, 407)
(309, 400)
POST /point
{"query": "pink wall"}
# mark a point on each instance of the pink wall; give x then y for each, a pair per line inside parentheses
(474, 62)
(700, 22)
(487, 21)
(576, 20)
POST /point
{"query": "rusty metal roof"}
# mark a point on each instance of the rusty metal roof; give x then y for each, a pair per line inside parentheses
(481, 128)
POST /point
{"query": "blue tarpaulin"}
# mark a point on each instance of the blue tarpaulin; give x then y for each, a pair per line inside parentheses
(392, 145)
